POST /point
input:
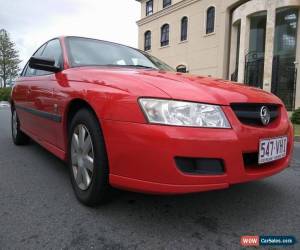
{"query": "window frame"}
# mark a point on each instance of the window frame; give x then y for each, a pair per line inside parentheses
(147, 46)
(206, 31)
(165, 42)
(182, 38)
(149, 13)
(166, 3)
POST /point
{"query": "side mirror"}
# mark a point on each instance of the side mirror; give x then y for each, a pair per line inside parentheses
(43, 63)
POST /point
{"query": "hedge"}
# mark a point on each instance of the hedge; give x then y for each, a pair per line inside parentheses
(296, 116)
(5, 94)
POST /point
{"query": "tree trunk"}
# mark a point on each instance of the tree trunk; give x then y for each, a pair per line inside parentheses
(4, 76)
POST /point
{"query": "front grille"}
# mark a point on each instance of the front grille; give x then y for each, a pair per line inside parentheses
(249, 113)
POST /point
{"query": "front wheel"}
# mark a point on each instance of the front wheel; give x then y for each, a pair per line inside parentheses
(19, 138)
(88, 162)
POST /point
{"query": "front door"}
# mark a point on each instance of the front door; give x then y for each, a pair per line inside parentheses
(48, 122)
(23, 98)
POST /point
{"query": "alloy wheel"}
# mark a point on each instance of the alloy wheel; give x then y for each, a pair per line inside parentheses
(82, 154)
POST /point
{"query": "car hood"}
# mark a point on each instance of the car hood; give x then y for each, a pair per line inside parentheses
(179, 86)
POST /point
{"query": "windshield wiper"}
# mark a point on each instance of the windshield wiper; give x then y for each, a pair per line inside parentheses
(130, 65)
(140, 66)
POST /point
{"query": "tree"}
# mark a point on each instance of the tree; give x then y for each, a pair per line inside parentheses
(9, 58)
(296, 116)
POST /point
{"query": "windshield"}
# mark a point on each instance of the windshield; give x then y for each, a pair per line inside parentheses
(91, 52)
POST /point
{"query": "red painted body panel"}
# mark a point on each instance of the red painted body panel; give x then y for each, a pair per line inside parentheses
(141, 155)
(145, 154)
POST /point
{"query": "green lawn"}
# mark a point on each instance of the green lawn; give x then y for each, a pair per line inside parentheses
(297, 129)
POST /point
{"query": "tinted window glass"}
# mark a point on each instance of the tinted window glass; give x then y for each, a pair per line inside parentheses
(184, 26)
(147, 42)
(164, 39)
(29, 71)
(166, 3)
(53, 51)
(91, 52)
(149, 8)
(210, 20)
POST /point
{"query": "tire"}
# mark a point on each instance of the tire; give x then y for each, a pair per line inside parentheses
(19, 138)
(88, 164)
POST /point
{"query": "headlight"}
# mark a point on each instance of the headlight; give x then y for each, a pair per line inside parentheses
(182, 113)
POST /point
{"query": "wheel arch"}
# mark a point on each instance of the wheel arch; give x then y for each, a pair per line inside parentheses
(73, 107)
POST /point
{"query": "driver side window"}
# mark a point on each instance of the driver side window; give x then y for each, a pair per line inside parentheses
(53, 51)
(29, 71)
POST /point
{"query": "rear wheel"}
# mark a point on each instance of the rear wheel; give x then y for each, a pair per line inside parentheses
(88, 162)
(19, 138)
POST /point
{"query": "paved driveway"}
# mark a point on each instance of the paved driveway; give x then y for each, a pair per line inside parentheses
(38, 209)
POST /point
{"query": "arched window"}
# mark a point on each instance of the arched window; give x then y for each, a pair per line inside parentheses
(210, 20)
(181, 68)
(164, 39)
(184, 28)
(147, 40)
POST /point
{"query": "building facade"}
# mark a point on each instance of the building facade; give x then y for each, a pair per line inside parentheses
(252, 41)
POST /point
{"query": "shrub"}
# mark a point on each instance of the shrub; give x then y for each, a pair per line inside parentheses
(5, 94)
(296, 116)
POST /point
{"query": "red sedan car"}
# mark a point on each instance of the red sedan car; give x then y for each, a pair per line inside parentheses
(122, 118)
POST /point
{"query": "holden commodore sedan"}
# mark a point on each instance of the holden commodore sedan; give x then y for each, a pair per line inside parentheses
(122, 118)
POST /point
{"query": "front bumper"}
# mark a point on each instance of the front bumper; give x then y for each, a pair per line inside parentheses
(142, 156)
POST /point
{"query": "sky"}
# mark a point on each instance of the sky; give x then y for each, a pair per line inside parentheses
(30, 23)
